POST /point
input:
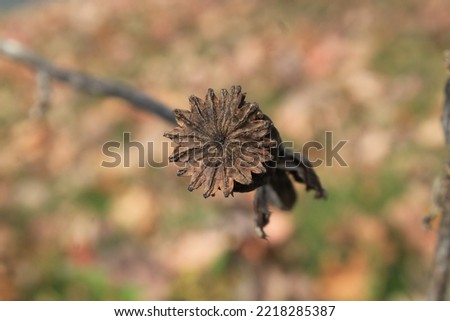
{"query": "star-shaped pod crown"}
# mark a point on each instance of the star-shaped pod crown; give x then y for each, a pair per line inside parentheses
(223, 143)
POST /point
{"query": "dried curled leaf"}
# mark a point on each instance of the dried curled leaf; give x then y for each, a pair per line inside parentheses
(279, 190)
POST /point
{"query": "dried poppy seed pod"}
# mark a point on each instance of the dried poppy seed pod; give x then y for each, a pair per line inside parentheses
(224, 143)
(228, 144)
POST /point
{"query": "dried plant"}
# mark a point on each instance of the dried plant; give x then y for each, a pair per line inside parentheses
(222, 143)
(228, 144)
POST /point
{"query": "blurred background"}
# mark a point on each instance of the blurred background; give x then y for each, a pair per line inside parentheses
(372, 72)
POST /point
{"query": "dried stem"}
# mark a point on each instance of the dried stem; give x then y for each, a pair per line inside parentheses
(441, 270)
(85, 82)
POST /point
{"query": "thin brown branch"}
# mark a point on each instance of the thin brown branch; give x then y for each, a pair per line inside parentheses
(85, 82)
(440, 276)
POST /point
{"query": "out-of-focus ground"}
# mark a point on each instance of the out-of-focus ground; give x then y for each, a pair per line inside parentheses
(371, 72)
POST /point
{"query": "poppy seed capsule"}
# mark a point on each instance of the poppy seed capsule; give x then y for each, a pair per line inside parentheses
(224, 143)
